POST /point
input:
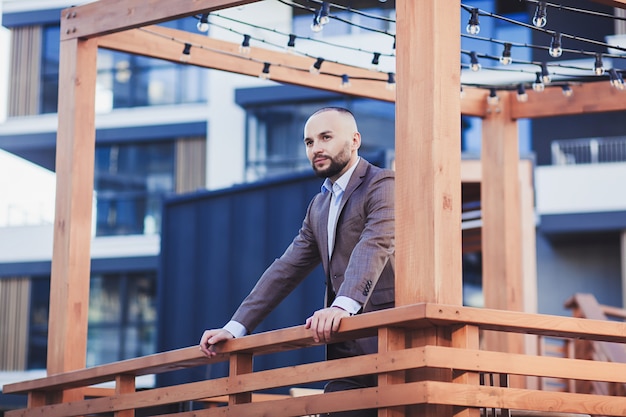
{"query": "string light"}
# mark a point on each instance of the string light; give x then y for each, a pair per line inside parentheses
(473, 26)
(616, 79)
(186, 54)
(545, 75)
(567, 90)
(555, 46)
(291, 43)
(317, 26)
(538, 85)
(540, 19)
(391, 81)
(316, 67)
(506, 59)
(522, 96)
(244, 49)
(324, 13)
(375, 60)
(265, 74)
(203, 23)
(474, 64)
(598, 66)
(493, 98)
(345, 81)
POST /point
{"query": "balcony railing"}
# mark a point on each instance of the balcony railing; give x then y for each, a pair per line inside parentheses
(429, 359)
(589, 151)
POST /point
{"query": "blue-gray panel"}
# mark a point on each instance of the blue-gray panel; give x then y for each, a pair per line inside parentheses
(214, 247)
(573, 223)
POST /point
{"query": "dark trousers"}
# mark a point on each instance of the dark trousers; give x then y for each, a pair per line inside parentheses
(352, 383)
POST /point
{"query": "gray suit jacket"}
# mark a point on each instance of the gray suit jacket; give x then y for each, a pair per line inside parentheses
(362, 263)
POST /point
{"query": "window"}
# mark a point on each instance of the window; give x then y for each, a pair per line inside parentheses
(274, 133)
(122, 318)
(126, 80)
(131, 181)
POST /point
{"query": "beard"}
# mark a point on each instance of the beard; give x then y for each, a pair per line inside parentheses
(337, 164)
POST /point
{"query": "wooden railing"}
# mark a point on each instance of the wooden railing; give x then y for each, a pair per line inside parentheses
(416, 377)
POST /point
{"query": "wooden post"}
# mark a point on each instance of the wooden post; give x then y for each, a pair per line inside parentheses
(428, 153)
(69, 288)
(428, 163)
(502, 220)
(240, 363)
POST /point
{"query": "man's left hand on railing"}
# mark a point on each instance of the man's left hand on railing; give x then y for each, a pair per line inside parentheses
(211, 338)
(325, 322)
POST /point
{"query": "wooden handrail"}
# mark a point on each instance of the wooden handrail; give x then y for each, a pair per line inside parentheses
(409, 319)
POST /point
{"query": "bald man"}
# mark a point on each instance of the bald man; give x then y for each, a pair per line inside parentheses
(349, 229)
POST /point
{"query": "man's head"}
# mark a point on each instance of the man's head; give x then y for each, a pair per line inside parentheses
(332, 141)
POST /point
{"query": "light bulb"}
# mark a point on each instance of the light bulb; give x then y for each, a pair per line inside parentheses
(244, 49)
(538, 85)
(391, 81)
(316, 67)
(186, 54)
(324, 13)
(598, 66)
(316, 26)
(540, 19)
(567, 90)
(545, 75)
(555, 46)
(473, 26)
(345, 81)
(265, 74)
(474, 64)
(522, 96)
(506, 59)
(203, 23)
(493, 98)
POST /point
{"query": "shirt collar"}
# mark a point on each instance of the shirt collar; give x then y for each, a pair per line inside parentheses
(342, 182)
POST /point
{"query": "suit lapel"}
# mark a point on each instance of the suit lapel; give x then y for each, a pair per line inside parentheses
(322, 229)
(355, 181)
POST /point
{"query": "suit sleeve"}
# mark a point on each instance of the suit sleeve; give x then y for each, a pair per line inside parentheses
(281, 277)
(376, 244)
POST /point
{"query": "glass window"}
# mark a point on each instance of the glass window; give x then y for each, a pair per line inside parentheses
(38, 326)
(126, 80)
(131, 181)
(122, 318)
(274, 138)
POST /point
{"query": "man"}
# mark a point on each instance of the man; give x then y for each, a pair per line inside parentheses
(349, 228)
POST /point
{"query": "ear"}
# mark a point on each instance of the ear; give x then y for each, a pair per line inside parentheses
(356, 140)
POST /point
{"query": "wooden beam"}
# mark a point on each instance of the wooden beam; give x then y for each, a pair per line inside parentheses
(620, 4)
(474, 102)
(428, 154)
(109, 16)
(69, 287)
(598, 97)
(168, 44)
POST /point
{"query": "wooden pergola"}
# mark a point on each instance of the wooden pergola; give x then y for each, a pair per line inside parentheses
(428, 153)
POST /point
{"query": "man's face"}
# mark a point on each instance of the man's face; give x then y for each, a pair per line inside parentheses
(331, 141)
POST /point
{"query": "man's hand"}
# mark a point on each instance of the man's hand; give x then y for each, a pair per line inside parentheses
(212, 337)
(325, 322)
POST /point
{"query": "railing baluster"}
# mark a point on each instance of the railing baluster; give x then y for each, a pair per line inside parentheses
(240, 363)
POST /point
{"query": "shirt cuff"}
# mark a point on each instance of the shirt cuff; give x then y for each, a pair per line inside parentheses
(347, 303)
(235, 328)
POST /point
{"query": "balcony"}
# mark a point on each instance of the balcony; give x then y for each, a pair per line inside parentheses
(415, 370)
